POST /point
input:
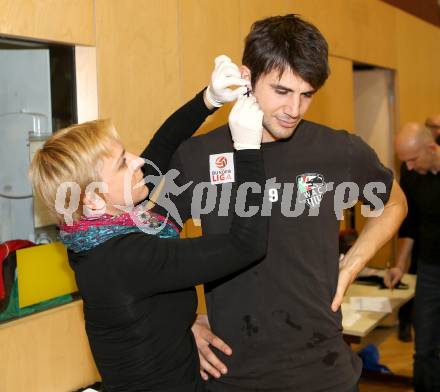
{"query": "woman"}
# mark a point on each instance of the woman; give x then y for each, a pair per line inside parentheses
(137, 283)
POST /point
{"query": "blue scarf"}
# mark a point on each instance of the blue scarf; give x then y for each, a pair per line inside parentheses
(89, 232)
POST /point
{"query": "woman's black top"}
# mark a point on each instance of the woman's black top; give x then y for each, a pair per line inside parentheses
(138, 289)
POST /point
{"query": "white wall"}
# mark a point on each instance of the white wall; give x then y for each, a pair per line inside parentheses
(24, 87)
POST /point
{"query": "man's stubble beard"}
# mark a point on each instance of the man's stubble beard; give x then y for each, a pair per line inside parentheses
(279, 133)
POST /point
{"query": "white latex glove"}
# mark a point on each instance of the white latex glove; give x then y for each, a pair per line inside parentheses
(225, 75)
(246, 123)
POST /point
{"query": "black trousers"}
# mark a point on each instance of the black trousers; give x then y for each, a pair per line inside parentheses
(407, 310)
(427, 329)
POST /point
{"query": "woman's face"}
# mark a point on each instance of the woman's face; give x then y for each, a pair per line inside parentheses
(123, 175)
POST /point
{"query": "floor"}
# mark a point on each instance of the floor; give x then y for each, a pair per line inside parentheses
(398, 357)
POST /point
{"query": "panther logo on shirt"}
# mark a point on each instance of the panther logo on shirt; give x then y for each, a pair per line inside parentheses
(311, 188)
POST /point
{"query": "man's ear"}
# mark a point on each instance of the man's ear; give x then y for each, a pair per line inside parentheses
(245, 72)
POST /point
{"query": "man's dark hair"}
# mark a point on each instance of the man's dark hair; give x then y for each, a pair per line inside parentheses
(281, 42)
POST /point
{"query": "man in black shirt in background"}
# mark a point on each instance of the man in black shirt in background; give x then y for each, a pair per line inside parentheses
(281, 318)
(406, 311)
(420, 181)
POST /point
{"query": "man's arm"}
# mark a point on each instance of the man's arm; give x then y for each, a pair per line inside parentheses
(407, 232)
(375, 234)
(404, 250)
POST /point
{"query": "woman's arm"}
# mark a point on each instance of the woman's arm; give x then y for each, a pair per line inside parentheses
(182, 124)
(150, 264)
(177, 128)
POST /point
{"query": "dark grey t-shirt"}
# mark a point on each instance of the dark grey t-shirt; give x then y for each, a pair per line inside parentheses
(276, 314)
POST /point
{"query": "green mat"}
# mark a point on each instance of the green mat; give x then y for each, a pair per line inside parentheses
(14, 311)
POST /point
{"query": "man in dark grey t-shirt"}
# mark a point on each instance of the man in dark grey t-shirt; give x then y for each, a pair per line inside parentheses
(279, 321)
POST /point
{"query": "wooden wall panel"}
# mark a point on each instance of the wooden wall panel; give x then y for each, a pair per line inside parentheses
(46, 352)
(207, 29)
(333, 21)
(138, 66)
(329, 19)
(418, 61)
(374, 32)
(333, 104)
(253, 10)
(50, 20)
(361, 30)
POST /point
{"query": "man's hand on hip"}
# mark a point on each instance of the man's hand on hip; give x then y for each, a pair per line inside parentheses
(209, 363)
(345, 279)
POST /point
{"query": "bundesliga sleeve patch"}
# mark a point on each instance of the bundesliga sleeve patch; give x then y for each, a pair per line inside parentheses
(221, 168)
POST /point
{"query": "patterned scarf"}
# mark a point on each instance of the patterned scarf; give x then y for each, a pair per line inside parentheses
(89, 232)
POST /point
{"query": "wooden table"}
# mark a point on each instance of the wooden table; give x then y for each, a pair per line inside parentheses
(368, 322)
(368, 329)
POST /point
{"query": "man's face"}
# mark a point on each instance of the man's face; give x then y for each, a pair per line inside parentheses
(418, 159)
(284, 101)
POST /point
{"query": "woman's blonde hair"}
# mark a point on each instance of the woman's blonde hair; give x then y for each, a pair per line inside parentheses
(71, 155)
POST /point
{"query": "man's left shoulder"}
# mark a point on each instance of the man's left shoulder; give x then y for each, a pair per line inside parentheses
(324, 130)
(338, 137)
(217, 139)
(194, 155)
(321, 137)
